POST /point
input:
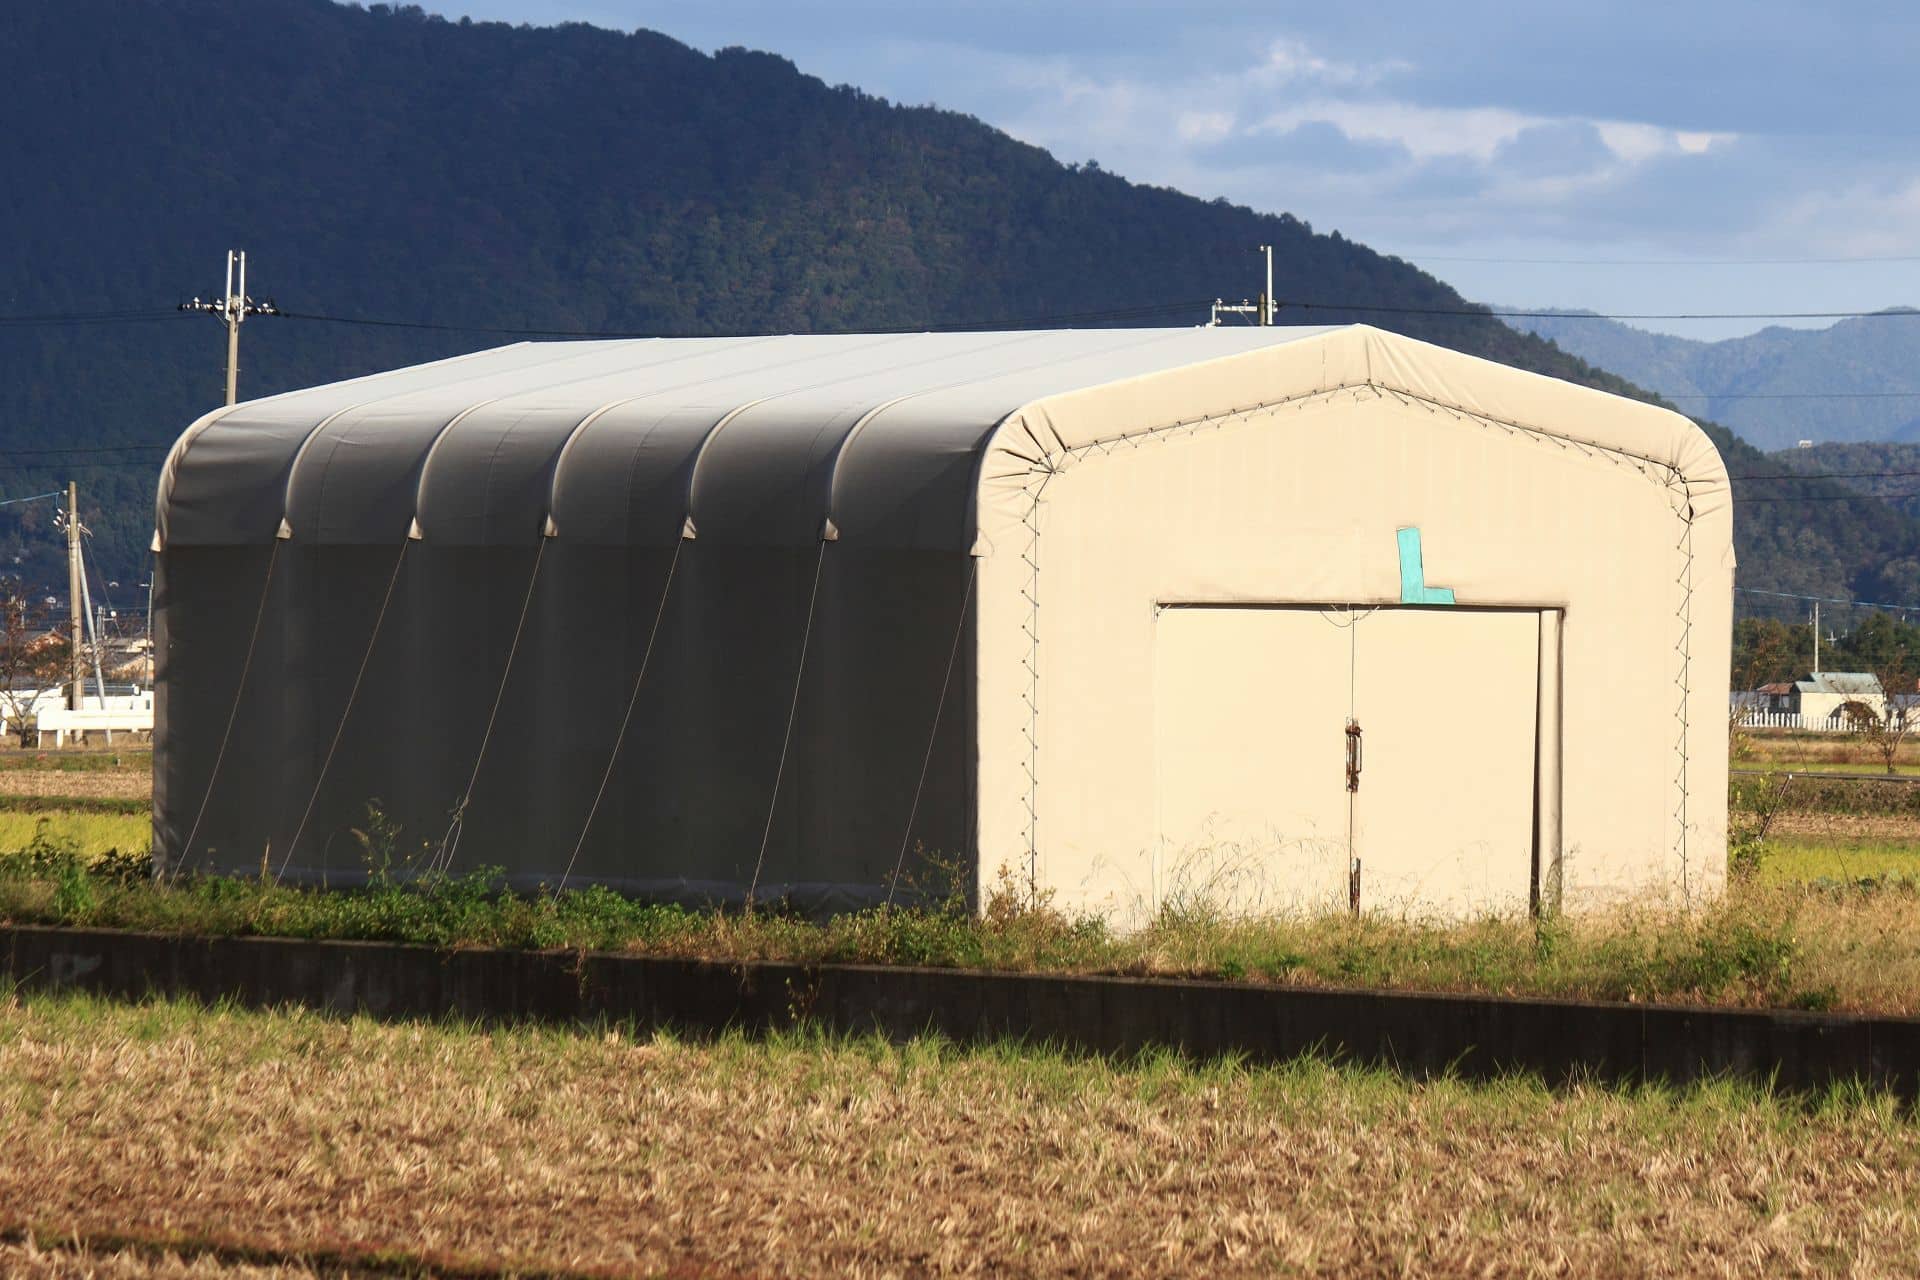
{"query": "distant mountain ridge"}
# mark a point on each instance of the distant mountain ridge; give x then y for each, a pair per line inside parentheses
(383, 165)
(1857, 380)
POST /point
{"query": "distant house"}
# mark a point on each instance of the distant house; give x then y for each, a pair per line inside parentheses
(1822, 698)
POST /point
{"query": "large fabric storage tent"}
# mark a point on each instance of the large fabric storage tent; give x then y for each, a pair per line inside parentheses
(1281, 617)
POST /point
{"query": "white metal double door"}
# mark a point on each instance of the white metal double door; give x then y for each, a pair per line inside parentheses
(1252, 708)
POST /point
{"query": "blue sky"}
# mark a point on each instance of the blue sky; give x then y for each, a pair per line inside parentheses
(1643, 157)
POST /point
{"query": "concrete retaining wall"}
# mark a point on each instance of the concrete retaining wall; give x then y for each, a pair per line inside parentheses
(1476, 1036)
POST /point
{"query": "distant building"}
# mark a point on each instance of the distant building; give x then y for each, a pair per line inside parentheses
(1769, 699)
(1822, 698)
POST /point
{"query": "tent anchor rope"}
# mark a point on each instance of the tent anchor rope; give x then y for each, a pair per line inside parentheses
(793, 712)
(346, 712)
(233, 714)
(933, 733)
(450, 842)
(633, 700)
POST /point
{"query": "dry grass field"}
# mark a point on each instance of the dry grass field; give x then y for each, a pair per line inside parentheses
(524, 1151)
(1761, 748)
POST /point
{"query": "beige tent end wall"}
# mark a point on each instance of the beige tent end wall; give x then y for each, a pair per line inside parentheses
(1194, 582)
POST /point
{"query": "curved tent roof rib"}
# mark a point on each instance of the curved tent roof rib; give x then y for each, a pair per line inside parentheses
(767, 439)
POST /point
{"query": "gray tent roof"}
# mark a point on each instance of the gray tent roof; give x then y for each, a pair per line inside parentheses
(761, 441)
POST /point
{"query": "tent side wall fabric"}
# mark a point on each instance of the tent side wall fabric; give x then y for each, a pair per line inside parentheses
(413, 619)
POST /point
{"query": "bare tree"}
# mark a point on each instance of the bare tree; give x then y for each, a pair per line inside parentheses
(33, 655)
(1763, 659)
(1899, 713)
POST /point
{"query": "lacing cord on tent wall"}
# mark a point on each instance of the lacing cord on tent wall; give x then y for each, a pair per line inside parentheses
(1046, 469)
(346, 712)
(933, 732)
(1684, 678)
(233, 713)
(633, 700)
(442, 860)
(793, 712)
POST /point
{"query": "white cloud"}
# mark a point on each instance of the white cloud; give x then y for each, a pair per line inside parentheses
(1205, 126)
(1425, 132)
(1863, 219)
(1330, 140)
(1292, 62)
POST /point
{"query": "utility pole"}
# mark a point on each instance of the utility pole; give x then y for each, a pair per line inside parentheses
(1816, 637)
(77, 670)
(1267, 307)
(1262, 311)
(233, 307)
(93, 632)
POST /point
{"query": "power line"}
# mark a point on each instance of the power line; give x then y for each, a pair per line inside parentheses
(32, 497)
(1856, 604)
(1659, 262)
(1103, 314)
(1829, 497)
(1140, 311)
(1166, 308)
(51, 319)
(1831, 475)
(1599, 315)
(58, 465)
(1789, 395)
(81, 449)
(1136, 312)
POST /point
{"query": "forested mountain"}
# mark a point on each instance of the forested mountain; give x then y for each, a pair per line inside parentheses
(1888, 471)
(384, 165)
(1855, 380)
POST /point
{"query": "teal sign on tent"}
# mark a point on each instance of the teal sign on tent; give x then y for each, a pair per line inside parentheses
(1413, 575)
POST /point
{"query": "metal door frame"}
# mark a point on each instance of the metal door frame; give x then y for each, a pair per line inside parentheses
(1546, 876)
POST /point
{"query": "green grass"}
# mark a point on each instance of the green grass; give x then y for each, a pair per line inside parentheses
(59, 808)
(88, 833)
(1843, 944)
(1825, 921)
(1864, 769)
(1812, 859)
(1826, 792)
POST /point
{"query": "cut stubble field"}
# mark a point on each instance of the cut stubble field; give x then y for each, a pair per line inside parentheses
(289, 1135)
